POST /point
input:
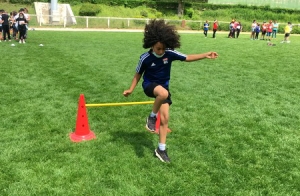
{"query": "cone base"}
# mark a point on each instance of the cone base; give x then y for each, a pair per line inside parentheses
(79, 138)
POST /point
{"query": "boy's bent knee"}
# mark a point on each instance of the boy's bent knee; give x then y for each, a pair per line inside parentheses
(161, 92)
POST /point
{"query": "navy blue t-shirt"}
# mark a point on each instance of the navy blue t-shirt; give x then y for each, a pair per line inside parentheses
(157, 70)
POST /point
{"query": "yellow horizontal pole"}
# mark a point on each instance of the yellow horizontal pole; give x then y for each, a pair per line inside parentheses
(118, 104)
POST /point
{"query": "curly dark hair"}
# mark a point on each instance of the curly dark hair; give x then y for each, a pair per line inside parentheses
(160, 31)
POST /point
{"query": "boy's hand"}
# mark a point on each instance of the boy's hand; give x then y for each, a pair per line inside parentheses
(212, 55)
(126, 93)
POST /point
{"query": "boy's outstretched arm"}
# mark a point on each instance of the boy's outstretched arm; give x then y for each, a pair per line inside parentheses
(134, 82)
(196, 57)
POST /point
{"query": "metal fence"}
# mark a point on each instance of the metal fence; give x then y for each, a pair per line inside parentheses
(104, 22)
(85, 22)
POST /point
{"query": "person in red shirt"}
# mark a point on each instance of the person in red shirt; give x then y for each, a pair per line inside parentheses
(263, 31)
(269, 30)
(215, 28)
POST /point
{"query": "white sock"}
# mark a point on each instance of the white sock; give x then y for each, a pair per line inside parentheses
(161, 146)
(152, 114)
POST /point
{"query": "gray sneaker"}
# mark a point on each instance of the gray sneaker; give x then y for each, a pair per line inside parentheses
(150, 124)
(162, 155)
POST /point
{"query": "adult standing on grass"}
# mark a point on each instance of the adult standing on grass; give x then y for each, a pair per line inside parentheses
(155, 67)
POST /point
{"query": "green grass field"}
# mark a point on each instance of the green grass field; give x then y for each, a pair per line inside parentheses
(235, 120)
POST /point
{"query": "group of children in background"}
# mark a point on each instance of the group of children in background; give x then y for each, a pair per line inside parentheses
(16, 23)
(267, 31)
(235, 27)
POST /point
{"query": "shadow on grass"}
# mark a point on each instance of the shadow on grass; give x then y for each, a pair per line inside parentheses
(139, 140)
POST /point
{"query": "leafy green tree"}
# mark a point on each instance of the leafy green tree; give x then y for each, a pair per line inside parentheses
(181, 4)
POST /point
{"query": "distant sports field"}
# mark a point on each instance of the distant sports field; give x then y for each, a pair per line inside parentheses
(235, 120)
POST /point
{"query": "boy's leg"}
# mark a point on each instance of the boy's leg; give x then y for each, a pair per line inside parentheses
(160, 94)
(161, 151)
(284, 39)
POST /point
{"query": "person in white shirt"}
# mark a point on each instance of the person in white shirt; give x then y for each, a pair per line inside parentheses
(253, 26)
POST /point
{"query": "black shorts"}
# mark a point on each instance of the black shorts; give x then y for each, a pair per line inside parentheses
(286, 35)
(1, 29)
(263, 32)
(148, 90)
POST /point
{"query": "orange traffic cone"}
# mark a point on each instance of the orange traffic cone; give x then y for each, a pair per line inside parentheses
(157, 124)
(82, 131)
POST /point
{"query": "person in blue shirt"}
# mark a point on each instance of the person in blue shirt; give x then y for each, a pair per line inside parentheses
(257, 30)
(205, 28)
(275, 29)
(155, 68)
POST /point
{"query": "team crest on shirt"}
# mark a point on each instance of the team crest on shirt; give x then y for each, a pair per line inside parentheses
(165, 60)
